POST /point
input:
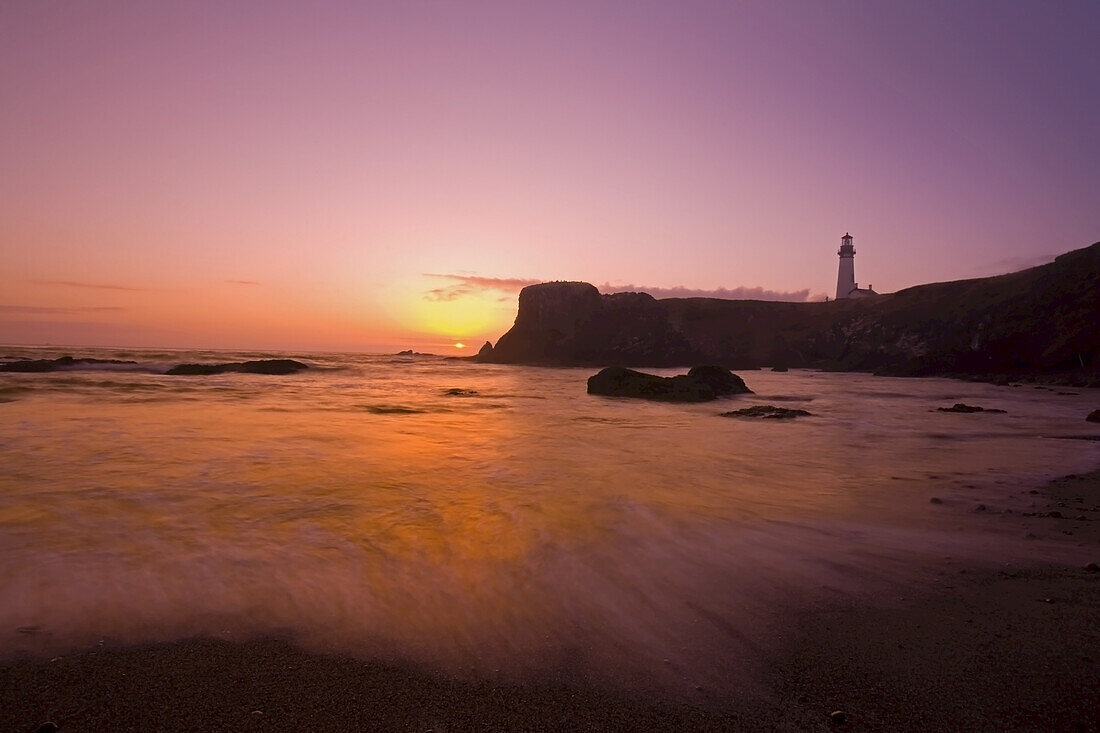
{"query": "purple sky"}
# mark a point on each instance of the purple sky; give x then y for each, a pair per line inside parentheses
(301, 175)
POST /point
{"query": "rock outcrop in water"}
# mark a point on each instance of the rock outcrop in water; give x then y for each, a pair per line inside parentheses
(698, 385)
(1039, 322)
(68, 363)
(768, 412)
(721, 380)
(965, 408)
(55, 365)
(262, 366)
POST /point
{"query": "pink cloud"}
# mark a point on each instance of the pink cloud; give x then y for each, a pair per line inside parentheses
(89, 286)
(738, 293)
(51, 310)
(469, 284)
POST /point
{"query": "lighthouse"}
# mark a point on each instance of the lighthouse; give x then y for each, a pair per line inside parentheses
(846, 286)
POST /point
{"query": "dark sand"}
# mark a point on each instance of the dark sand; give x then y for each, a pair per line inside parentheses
(1012, 650)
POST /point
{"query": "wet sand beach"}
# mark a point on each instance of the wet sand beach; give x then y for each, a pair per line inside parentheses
(1011, 649)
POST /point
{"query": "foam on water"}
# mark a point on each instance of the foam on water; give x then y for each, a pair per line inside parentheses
(523, 528)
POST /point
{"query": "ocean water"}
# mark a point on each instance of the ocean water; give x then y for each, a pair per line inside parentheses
(497, 521)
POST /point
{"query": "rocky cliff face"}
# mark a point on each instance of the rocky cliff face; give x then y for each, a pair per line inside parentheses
(1042, 320)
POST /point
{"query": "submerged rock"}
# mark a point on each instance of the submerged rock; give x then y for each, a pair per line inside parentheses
(261, 366)
(1093, 416)
(767, 412)
(960, 407)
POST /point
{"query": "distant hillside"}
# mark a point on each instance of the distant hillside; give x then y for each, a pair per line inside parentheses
(1041, 321)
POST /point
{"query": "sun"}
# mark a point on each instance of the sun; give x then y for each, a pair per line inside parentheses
(460, 345)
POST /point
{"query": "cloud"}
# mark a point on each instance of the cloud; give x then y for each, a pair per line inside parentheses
(469, 284)
(738, 293)
(89, 286)
(243, 282)
(461, 285)
(51, 310)
(1014, 264)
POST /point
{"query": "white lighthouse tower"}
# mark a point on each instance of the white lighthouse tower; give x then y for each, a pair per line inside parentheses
(846, 286)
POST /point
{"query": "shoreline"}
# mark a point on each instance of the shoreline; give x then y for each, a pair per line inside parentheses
(982, 650)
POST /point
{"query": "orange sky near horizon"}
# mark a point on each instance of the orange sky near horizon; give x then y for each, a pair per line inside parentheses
(374, 177)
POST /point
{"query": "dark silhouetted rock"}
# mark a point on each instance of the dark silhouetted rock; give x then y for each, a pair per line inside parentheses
(779, 368)
(273, 366)
(406, 352)
(262, 366)
(767, 412)
(485, 352)
(960, 407)
(698, 385)
(1037, 323)
(721, 380)
(456, 392)
(200, 369)
(935, 500)
(564, 323)
(623, 382)
(1093, 416)
(55, 365)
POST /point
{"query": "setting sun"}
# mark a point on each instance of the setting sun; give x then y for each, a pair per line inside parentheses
(460, 346)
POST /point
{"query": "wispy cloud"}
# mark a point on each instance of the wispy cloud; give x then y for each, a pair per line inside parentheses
(56, 310)
(87, 286)
(461, 285)
(1014, 264)
(738, 293)
(243, 282)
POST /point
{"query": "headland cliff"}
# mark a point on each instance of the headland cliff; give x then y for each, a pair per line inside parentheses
(1043, 322)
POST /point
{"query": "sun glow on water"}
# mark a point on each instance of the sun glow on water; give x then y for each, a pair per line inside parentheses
(482, 518)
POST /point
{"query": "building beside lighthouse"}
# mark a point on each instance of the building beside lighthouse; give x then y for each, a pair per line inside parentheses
(846, 286)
